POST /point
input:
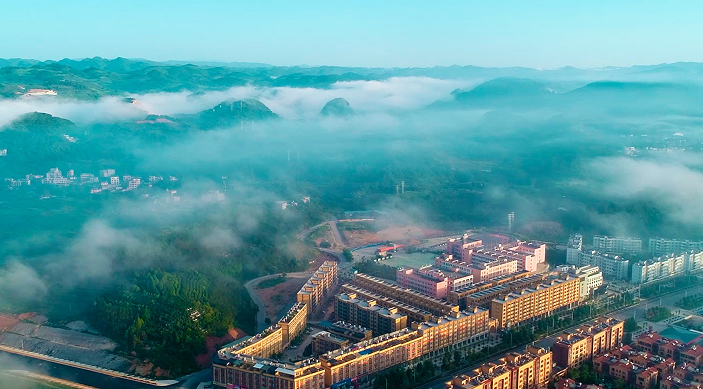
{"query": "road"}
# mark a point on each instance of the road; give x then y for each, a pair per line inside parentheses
(261, 314)
(636, 310)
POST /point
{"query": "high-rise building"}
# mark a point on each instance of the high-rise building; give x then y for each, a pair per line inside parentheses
(661, 246)
(573, 249)
(511, 220)
(617, 245)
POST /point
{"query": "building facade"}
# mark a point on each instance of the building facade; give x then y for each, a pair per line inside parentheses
(574, 348)
(617, 245)
(544, 299)
(316, 288)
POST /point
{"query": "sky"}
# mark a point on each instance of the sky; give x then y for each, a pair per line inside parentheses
(388, 33)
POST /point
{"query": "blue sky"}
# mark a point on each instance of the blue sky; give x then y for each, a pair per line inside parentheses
(542, 34)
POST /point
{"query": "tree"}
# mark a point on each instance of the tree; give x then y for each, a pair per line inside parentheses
(325, 244)
(446, 361)
(457, 357)
(631, 325)
(348, 255)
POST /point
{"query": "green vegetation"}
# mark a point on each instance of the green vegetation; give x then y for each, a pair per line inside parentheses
(405, 378)
(584, 374)
(631, 325)
(271, 282)
(348, 256)
(166, 316)
(690, 302)
(656, 314)
(376, 269)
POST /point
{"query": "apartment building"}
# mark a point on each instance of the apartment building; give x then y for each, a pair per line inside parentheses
(410, 297)
(293, 323)
(662, 246)
(613, 267)
(529, 370)
(367, 313)
(664, 366)
(598, 337)
(462, 248)
(528, 304)
(432, 281)
(324, 342)
(262, 345)
(687, 372)
(483, 298)
(666, 266)
(529, 255)
(677, 383)
(574, 247)
(316, 288)
(617, 245)
(455, 329)
(591, 278)
(638, 375)
(494, 266)
(259, 373)
(413, 313)
(362, 359)
(459, 295)
(353, 333)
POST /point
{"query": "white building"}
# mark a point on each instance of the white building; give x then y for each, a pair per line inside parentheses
(667, 266)
(590, 277)
(661, 246)
(134, 183)
(55, 177)
(41, 92)
(617, 245)
(3, 152)
(573, 249)
(114, 180)
(87, 177)
(107, 172)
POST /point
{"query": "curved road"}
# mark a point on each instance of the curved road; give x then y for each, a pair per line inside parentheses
(250, 286)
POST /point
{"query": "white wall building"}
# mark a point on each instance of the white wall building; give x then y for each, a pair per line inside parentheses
(667, 266)
(573, 249)
(617, 245)
(661, 246)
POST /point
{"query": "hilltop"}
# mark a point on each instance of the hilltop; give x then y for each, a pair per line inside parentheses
(232, 112)
(337, 107)
(40, 120)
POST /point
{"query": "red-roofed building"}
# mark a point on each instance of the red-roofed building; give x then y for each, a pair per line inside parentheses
(693, 355)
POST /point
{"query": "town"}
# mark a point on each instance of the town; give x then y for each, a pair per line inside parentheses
(492, 310)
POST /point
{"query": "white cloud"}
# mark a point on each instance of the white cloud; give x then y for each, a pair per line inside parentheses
(398, 93)
(674, 186)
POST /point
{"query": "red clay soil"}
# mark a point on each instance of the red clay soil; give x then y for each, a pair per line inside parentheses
(213, 344)
(320, 260)
(7, 322)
